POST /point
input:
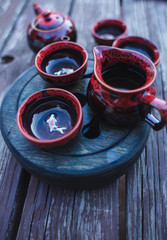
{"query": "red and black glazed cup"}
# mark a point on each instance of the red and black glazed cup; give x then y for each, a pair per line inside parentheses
(107, 31)
(141, 45)
(55, 61)
(50, 118)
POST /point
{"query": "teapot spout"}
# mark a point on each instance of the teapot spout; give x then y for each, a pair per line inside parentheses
(37, 8)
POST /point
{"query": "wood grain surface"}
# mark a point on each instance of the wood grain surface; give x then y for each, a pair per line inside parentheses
(148, 194)
(133, 207)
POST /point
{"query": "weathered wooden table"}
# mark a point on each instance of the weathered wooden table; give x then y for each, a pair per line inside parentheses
(131, 207)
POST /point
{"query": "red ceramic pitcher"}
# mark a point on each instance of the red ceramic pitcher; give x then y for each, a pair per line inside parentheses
(122, 88)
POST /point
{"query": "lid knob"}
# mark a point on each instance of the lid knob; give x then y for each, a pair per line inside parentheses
(46, 13)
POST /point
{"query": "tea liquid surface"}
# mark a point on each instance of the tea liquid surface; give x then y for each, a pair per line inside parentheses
(124, 77)
(51, 120)
(109, 32)
(62, 62)
(139, 48)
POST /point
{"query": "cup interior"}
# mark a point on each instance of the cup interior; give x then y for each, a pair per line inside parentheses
(62, 62)
(49, 115)
(123, 70)
(49, 118)
(61, 58)
(141, 45)
(107, 30)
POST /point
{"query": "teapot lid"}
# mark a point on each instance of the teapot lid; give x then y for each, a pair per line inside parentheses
(46, 19)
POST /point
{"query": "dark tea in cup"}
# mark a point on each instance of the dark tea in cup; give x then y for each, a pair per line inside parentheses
(124, 77)
(141, 45)
(62, 62)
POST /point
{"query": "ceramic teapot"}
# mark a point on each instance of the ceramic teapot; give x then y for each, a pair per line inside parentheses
(49, 27)
(122, 89)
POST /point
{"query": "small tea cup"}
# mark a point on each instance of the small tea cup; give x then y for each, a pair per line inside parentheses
(50, 118)
(122, 88)
(107, 31)
(62, 62)
(141, 45)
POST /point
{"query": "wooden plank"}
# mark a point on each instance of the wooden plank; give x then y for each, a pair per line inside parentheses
(10, 171)
(160, 166)
(17, 15)
(8, 183)
(10, 12)
(47, 212)
(133, 17)
(122, 207)
(146, 182)
(66, 214)
(95, 214)
(10, 187)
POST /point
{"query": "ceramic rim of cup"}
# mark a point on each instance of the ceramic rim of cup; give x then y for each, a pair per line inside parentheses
(108, 87)
(65, 43)
(38, 141)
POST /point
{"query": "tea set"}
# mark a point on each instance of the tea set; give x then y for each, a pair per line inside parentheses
(121, 90)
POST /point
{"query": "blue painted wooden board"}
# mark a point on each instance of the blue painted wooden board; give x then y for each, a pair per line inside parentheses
(82, 162)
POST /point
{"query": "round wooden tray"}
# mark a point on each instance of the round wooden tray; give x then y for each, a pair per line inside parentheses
(99, 153)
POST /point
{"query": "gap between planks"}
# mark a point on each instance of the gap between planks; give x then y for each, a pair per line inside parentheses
(122, 207)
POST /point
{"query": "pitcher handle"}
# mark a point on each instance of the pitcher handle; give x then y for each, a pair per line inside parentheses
(160, 105)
